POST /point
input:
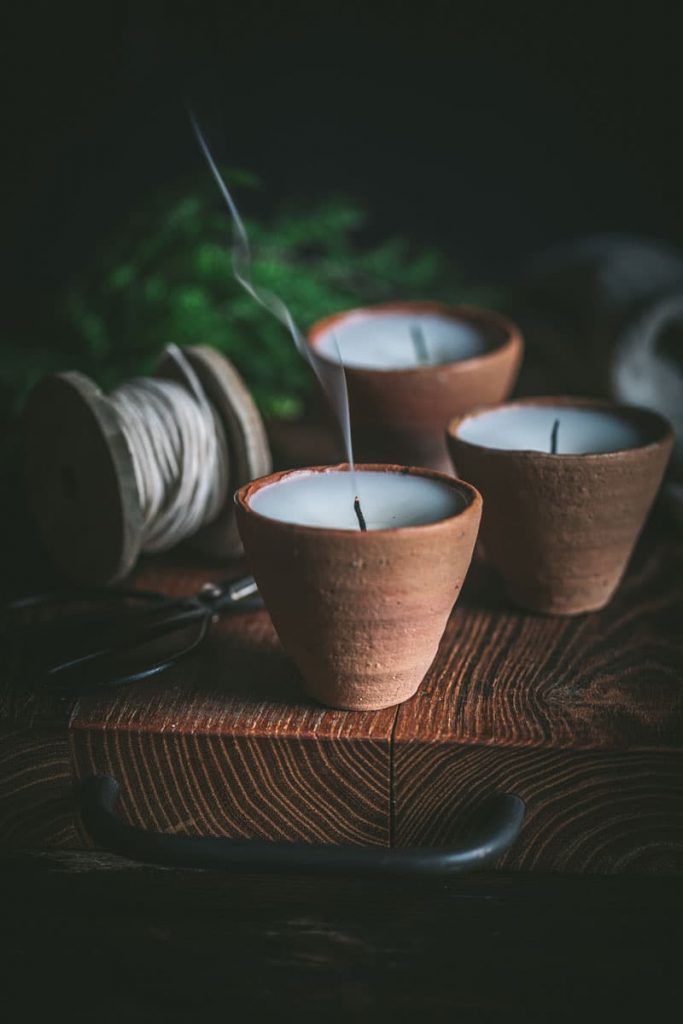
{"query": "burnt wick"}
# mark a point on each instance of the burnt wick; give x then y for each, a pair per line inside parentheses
(553, 437)
(419, 343)
(359, 514)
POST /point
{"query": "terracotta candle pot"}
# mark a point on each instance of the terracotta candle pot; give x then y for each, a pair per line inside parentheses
(361, 613)
(411, 366)
(561, 527)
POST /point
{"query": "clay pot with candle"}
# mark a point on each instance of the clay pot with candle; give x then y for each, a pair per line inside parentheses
(410, 367)
(360, 612)
(567, 484)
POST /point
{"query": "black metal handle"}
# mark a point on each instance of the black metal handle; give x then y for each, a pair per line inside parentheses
(498, 828)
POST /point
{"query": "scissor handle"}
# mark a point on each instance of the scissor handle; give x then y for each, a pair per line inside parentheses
(499, 824)
(112, 626)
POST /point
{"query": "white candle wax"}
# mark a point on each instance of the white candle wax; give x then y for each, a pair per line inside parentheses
(383, 341)
(388, 500)
(581, 430)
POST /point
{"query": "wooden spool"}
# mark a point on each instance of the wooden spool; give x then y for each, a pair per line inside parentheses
(79, 469)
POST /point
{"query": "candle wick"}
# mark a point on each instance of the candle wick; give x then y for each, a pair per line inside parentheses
(553, 437)
(359, 514)
(418, 338)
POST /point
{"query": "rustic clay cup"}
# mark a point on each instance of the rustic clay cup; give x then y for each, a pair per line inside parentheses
(361, 614)
(560, 528)
(399, 415)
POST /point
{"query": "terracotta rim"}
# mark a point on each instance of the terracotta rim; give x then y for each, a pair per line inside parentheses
(473, 506)
(660, 427)
(475, 315)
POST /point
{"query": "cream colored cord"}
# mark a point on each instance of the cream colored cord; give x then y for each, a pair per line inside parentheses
(179, 453)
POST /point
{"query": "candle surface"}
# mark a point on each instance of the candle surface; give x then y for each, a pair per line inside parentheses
(385, 341)
(388, 500)
(581, 431)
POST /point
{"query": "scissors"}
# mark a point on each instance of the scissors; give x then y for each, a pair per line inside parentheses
(79, 640)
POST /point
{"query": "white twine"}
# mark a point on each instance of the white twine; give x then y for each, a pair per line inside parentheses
(179, 454)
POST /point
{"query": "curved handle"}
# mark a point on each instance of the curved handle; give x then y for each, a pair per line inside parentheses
(500, 825)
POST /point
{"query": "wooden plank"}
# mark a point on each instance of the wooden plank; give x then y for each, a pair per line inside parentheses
(581, 717)
(228, 744)
(145, 944)
(587, 812)
(36, 789)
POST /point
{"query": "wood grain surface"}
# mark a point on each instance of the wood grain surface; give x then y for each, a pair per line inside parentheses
(228, 744)
(611, 679)
(582, 717)
(36, 789)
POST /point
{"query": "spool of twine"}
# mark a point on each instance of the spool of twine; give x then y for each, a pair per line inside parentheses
(179, 453)
(145, 468)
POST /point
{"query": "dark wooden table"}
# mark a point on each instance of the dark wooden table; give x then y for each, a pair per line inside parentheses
(91, 937)
(95, 937)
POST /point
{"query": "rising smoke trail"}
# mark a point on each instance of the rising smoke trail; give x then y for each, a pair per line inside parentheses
(332, 378)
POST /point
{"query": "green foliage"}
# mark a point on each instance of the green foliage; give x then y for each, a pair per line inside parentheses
(167, 277)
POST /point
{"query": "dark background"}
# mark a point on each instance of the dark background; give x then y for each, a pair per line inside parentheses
(492, 131)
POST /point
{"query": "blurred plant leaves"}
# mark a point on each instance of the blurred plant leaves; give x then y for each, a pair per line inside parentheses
(166, 276)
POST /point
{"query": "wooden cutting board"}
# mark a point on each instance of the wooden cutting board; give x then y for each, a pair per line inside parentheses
(582, 717)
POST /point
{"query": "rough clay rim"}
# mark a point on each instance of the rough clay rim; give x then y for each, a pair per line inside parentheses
(473, 506)
(633, 411)
(511, 343)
